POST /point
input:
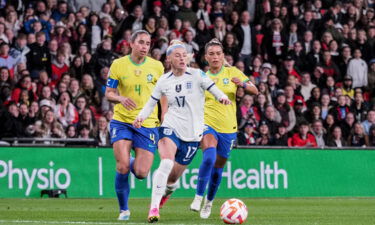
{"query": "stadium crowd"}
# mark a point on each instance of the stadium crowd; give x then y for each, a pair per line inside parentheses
(312, 61)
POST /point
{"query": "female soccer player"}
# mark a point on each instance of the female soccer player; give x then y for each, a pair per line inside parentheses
(219, 134)
(131, 81)
(182, 128)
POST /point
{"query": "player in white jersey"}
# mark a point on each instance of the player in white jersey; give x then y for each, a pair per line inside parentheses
(183, 124)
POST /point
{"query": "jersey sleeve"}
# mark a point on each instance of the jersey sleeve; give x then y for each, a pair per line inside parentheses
(157, 92)
(206, 82)
(113, 79)
(238, 73)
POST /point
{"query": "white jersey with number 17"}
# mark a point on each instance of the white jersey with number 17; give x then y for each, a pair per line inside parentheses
(186, 96)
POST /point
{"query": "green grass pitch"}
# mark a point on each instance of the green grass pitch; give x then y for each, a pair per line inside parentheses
(278, 211)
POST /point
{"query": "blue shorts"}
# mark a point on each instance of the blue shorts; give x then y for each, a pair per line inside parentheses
(145, 138)
(185, 150)
(225, 141)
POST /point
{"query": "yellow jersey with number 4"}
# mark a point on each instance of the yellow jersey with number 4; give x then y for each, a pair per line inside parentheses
(135, 81)
(221, 117)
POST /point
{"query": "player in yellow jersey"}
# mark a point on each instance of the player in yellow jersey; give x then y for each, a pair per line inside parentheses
(221, 125)
(131, 81)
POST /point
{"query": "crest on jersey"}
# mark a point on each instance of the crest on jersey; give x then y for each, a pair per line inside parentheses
(225, 81)
(137, 72)
(189, 85)
(178, 87)
(149, 78)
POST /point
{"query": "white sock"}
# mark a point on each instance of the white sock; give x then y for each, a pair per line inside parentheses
(159, 182)
(171, 188)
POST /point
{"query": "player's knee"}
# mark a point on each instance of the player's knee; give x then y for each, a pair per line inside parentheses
(123, 169)
(141, 173)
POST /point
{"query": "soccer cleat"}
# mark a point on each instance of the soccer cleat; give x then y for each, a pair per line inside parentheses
(196, 204)
(206, 209)
(164, 200)
(124, 215)
(153, 215)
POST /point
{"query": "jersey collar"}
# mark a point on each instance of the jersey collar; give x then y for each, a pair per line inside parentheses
(215, 74)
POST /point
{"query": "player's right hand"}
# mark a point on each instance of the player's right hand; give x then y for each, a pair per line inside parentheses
(128, 103)
(138, 122)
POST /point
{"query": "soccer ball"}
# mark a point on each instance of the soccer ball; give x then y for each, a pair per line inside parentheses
(233, 211)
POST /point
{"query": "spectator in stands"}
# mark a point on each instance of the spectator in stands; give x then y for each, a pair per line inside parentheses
(341, 110)
(369, 121)
(48, 127)
(281, 137)
(272, 118)
(65, 111)
(357, 69)
(103, 57)
(71, 131)
(58, 67)
(264, 137)
(84, 132)
(336, 139)
(101, 132)
(24, 83)
(20, 49)
(303, 138)
(372, 136)
(306, 85)
(6, 84)
(358, 137)
(318, 132)
(61, 12)
(359, 107)
(39, 57)
(87, 118)
(6, 59)
(273, 43)
(288, 118)
(89, 91)
(244, 36)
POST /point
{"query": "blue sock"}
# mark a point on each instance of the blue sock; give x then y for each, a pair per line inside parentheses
(209, 158)
(214, 183)
(122, 190)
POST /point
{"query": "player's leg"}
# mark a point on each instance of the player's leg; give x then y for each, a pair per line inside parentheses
(167, 146)
(208, 143)
(184, 155)
(224, 147)
(144, 142)
(121, 138)
(172, 183)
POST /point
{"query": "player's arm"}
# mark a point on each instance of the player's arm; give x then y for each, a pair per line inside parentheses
(112, 95)
(248, 86)
(164, 107)
(111, 92)
(210, 86)
(240, 80)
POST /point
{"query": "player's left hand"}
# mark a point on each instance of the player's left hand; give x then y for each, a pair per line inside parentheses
(237, 81)
(138, 122)
(225, 101)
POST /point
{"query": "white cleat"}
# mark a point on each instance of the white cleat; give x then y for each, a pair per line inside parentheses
(206, 209)
(196, 204)
(124, 215)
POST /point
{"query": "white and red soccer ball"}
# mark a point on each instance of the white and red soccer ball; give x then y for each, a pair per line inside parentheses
(233, 211)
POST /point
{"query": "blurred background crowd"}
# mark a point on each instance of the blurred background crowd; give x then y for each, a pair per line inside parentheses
(313, 62)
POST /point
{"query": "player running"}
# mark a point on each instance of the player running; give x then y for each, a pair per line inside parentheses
(182, 128)
(219, 133)
(131, 81)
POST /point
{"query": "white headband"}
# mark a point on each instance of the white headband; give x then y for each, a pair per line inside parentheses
(171, 48)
